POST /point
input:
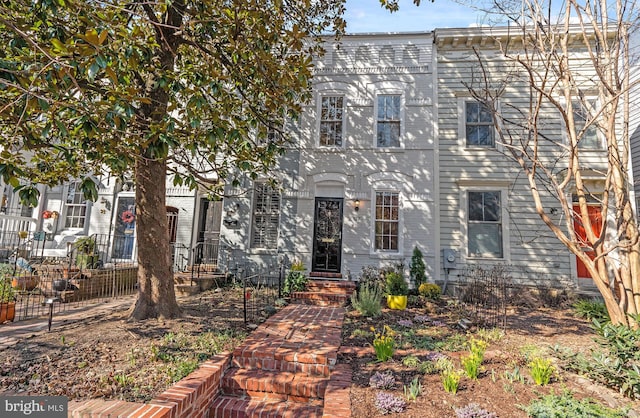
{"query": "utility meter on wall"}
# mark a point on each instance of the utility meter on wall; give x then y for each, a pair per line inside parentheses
(449, 255)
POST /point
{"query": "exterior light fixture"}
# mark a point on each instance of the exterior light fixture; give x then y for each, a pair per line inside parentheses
(356, 204)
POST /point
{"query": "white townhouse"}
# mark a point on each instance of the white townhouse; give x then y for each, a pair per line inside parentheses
(360, 186)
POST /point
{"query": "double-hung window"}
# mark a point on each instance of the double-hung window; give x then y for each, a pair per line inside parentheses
(485, 224)
(331, 119)
(388, 121)
(387, 221)
(76, 207)
(590, 139)
(266, 214)
(478, 124)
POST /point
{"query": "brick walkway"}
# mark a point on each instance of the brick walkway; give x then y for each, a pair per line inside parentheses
(286, 368)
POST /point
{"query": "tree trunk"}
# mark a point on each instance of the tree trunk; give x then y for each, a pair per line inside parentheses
(156, 295)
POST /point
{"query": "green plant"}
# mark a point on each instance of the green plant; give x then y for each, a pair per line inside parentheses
(514, 375)
(566, 406)
(417, 268)
(85, 245)
(296, 280)
(414, 389)
(591, 309)
(430, 291)
(372, 276)
(471, 365)
(450, 380)
(362, 333)
(7, 294)
(122, 379)
(367, 300)
(541, 370)
(396, 285)
(410, 361)
(384, 344)
(490, 335)
(427, 367)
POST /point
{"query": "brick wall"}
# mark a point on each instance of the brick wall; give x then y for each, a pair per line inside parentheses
(191, 397)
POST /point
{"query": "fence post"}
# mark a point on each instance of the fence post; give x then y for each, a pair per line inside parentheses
(244, 293)
(280, 273)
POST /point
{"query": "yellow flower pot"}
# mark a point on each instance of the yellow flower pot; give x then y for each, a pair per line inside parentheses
(397, 302)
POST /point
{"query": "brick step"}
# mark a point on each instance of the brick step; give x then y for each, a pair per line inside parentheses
(268, 385)
(319, 298)
(325, 275)
(228, 406)
(331, 286)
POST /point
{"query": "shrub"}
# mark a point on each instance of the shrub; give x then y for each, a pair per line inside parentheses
(395, 284)
(591, 309)
(566, 406)
(296, 280)
(616, 365)
(417, 268)
(387, 403)
(430, 291)
(372, 276)
(384, 344)
(541, 370)
(473, 410)
(367, 300)
(382, 380)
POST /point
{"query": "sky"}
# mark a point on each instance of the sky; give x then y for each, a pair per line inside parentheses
(365, 16)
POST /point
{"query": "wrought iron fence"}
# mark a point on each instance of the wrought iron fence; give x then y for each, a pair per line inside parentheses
(260, 291)
(65, 288)
(485, 292)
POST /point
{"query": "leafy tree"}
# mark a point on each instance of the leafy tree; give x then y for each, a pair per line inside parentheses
(187, 88)
(575, 62)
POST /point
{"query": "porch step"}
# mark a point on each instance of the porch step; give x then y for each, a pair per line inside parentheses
(325, 293)
(320, 274)
(274, 385)
(228, 406)
(319, 298)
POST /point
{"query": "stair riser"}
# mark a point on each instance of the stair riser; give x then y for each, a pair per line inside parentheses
(296, 388)
(310, 369)
(224, 407)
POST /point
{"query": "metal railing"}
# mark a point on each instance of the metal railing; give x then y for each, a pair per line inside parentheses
(259, 292)
(69, 287)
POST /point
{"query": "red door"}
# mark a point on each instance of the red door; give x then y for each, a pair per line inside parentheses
(595, 216)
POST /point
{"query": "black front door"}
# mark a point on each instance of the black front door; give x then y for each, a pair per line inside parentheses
(327, 237)
(206, 251)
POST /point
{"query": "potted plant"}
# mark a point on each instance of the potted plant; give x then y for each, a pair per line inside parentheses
(7, 298)
(397, 290)
(86, 256)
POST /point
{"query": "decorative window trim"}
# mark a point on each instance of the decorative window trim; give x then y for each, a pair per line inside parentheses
(401, 120)
(320, 97)
(469, 185)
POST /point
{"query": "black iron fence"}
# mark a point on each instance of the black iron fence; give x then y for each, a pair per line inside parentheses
(58, 287)
(260, 290)
(485, 292)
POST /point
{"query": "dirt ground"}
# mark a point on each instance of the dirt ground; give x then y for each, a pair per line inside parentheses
(529, 331)
(110, 358)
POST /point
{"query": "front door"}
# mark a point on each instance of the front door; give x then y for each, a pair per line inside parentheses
(595, 216)
(327, 237)
(206, 251)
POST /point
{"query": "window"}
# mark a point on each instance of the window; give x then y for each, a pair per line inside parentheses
(590, 138)
(76, 207)
(388, 122)
(485, 224)
(331, 116)
(479, 125)
(386, 221)
(266, 211)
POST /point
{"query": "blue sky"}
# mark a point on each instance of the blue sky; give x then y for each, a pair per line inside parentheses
(368, 16)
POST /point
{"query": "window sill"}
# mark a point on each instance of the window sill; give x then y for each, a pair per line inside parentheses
(386, 255)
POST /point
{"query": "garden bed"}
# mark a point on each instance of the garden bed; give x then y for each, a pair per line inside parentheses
(428, 330)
